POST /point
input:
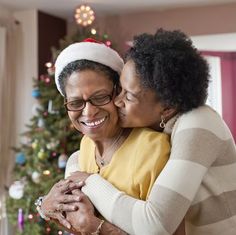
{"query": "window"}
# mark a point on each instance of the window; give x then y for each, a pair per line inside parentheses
(215, 91)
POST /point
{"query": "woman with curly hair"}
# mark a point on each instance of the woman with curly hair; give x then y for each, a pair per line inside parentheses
(164, 86)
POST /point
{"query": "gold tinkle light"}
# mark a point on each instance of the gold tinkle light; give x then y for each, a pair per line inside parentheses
(84, 15)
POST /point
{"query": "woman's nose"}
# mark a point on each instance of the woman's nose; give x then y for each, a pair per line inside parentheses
(90, 110)
(119, 100)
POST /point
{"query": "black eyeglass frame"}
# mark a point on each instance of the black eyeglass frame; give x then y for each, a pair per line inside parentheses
(90, 101)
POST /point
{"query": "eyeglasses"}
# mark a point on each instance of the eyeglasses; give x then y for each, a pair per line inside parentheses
(79, 104)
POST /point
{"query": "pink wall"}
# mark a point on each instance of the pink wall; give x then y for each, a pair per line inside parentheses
(193, 21)
(228, 75)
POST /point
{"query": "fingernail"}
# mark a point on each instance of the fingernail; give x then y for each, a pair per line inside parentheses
(68, 226)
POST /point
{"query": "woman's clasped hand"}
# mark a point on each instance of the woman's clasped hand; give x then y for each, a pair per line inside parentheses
(62, 198)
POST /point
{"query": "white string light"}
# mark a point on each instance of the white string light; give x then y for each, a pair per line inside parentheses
(84, 15)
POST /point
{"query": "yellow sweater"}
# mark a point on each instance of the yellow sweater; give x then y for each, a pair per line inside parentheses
(135, 166)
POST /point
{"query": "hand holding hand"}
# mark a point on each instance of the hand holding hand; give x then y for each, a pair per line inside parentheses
(58, 199)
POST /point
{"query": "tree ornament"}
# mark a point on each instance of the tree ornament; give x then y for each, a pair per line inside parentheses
(16, 190)
(46, 172)
(35, 144)
(53, 144)
(54, 154)
(105, 36)
(42, 155)
(35, 177)
(47, 80)
(36, 93)
(41, 123)
(108, 43)
(30, 216)
(45, 114)
(20, 158)
(50, 107)
(20, 220)
(36, 108)
(62, 160)
(48, 230)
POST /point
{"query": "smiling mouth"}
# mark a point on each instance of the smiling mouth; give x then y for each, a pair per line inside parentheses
(94, 123)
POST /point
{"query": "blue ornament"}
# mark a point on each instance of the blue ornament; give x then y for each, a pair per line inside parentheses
(20, 158)
(62, 160)
(36, 93)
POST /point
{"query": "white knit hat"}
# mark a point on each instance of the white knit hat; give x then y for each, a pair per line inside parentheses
(87, 50)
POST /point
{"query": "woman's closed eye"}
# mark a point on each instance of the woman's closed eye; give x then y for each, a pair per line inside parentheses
(126, 95)
(76, 103)
(129, 96)
(99, 99)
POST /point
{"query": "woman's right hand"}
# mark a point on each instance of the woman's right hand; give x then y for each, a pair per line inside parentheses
(58, 201)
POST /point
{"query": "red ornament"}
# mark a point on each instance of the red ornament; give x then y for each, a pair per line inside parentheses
(47, 80)
(54, 154)
(108, 43)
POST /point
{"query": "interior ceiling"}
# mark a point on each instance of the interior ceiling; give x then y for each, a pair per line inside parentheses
(65, 8)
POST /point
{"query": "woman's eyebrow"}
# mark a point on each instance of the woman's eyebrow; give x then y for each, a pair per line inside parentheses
(103, 91)
(135, 94)
(100, 91)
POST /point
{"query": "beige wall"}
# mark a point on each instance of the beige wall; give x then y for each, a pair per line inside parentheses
(5, 14)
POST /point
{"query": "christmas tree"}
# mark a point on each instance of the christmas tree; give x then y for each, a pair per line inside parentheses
(44, 149)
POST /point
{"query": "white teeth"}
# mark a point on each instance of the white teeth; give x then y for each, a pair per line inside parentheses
(92, 124)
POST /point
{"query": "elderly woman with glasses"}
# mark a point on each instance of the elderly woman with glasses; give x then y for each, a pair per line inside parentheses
(87, 75)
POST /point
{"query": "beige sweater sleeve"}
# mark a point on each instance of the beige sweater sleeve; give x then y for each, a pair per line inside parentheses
(72, 164)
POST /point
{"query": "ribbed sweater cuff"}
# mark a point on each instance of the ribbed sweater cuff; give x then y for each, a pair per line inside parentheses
(102, 194)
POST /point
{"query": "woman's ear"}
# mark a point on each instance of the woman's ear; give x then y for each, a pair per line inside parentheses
(168, 113)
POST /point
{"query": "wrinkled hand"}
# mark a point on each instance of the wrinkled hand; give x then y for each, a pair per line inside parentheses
(57, 201)
(83, 220)
(79, 176)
